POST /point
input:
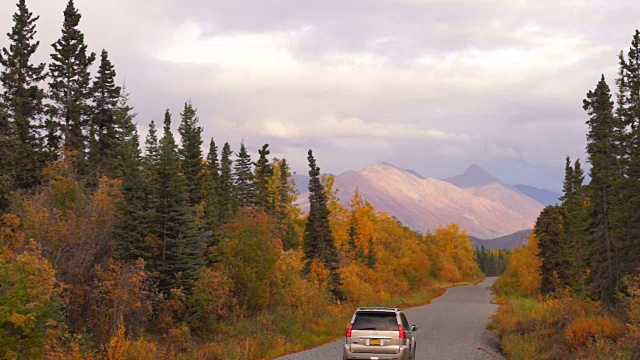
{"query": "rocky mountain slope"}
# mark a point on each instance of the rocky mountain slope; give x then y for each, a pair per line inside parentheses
(479, 203)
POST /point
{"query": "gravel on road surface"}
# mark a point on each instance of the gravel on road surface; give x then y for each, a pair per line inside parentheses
(452, 327)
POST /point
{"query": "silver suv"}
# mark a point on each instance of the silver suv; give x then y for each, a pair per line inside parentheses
(379, 333)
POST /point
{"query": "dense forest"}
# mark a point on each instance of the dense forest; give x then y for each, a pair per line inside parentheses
(113, 249)
(577, 281)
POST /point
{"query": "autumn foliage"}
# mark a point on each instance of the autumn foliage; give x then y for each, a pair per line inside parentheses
(563, 324)
(111, 251)
(27, 293)
(522, 275)
(250, 279)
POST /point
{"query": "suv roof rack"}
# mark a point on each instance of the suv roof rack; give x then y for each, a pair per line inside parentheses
(378, 308)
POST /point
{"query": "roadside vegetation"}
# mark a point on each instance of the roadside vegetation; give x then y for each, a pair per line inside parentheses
(111, 252)
(573, 291)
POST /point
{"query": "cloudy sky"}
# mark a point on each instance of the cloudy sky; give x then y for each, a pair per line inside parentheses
(431, 85)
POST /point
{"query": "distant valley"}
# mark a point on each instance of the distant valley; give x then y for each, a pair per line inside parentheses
(480, 203)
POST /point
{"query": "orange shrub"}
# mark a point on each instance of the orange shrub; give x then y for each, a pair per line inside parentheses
(563, 311)
(356, 285)
(585, 330)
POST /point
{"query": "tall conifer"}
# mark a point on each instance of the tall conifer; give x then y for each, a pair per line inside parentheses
(628, 245)
(551, 237)
(319, 242)
(606, 175)
(576, 247)
(263, 175)
(181, 253)
(133, 226)
(191, 153)
(152, 146)
(103, 127)
(21, 103)
(69, 88)
(244, 179)
(227, 192)
(210, 181)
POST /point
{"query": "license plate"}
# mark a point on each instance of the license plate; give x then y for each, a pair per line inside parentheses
(375, 342)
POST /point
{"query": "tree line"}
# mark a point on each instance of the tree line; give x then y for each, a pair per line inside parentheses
(492, 262)
(590, 242)
(106, 248)
(573, 291)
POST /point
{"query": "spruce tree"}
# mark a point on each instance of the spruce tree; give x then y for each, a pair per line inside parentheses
(103, 126)
(8, 145)
(576, 246)
(152, 147)
(606, 175)
(191, 153)
(133, 210)
(244, 179)
(210, 183)
(226, 189)
(318, 239)
(150, 162)
(181, 253)
(628, 244)
(263, 175)
(549, 231)
(21, 104)
(69, 87)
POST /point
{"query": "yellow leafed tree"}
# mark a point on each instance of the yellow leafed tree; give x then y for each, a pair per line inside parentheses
(523, 272)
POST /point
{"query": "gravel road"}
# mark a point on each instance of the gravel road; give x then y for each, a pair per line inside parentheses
(452, 327)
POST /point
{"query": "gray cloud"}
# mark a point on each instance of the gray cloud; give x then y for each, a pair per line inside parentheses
(429, 85)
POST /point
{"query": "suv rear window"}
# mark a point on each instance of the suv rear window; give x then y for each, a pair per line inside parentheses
(375, 321)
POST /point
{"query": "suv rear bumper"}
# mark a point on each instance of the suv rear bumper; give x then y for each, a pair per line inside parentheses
(402, 355)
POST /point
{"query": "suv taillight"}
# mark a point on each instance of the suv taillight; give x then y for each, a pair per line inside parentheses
(349, 328)
(401, 330)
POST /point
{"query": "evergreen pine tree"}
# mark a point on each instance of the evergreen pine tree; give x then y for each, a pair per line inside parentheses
(8, 146)
(244, 179)
(191, 153)
(227, 192)
(132, 228)
(549, 231)
(628, 246)
(318, 238)
(263, 175)
(69, 88)
(103, 127)
(210, 183)
(603, 153)
(21, 104)
(152, 147)
(181, 253)
(576, 246)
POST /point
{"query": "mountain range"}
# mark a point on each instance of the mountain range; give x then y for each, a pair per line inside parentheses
(507, 242)
(476, 200)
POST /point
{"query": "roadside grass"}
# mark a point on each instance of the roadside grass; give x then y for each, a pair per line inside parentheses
(564, 327)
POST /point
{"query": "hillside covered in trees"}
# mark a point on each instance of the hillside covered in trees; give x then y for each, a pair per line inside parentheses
(113, 250)
(575, 286)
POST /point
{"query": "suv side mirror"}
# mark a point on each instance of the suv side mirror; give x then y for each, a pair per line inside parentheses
(414, 328)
